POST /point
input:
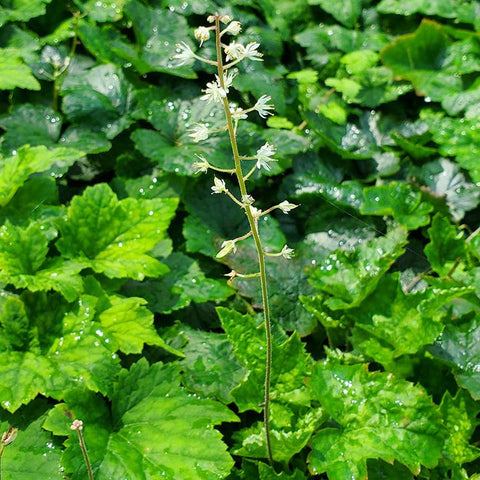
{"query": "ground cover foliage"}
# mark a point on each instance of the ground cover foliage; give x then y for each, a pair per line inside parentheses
(114, 309)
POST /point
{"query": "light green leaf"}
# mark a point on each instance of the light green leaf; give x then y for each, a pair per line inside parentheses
(391, 323)
(114, 236)
(288, 436)
(24, 264)
(15, 170)
(24, 10)
(155, 427)
(185, 283)
(378, 416)
(446, 246)
(22, 376)
(346, 12)
(459, 346)
(430, 61)
(32, 452)
(291, 363)
(456, 137)
(129, 324)
(399, 200)
(459, 415)
(14, 73)
(350, 276)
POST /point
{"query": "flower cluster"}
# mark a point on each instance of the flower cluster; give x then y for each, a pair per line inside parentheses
(217, 91)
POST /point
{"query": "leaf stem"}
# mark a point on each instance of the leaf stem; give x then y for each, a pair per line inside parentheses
(258, 245)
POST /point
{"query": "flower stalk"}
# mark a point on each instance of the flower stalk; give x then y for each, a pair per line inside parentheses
(217, 92)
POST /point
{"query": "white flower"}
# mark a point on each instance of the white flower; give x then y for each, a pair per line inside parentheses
(211, 19)
(199, 132)
(234, 28)
(286, 206)
(234, 51)
(262, 107)
(287, 252)
(227, 247)
(219, 186)
(214, 92)
(247, 199)
(225, 19)
(238, 113)
(201, 166)
(256, 212)
(263, 156)
(184, 54)
(202, 34)
(252, 53)
(228, 79)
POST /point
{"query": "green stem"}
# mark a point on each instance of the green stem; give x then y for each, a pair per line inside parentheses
(1, 455)
(83, 448)
(258, 245)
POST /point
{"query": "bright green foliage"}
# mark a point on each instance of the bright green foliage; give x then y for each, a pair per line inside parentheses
(291, 363)
(14, 73)
(349, 276)
(114, 236)
(458, 413)
(378, 415)
(390, 323)
(110, 279)
(129, 325)
(16, 169)
(33, 451)
(155, 427)
(24, 264)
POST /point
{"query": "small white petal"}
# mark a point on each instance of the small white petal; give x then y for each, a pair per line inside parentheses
(264, 154)
(234, 28)
(262, 107)
(287, 252)
(219, 185)
(184, 54)
(199, 132)
(202, 34)
(286, 206)
(252, 53)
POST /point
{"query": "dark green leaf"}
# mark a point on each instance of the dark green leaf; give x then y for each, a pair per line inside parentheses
(346, 12)
(459, 345)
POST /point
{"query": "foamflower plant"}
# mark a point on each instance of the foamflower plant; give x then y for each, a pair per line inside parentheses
(228, 54)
